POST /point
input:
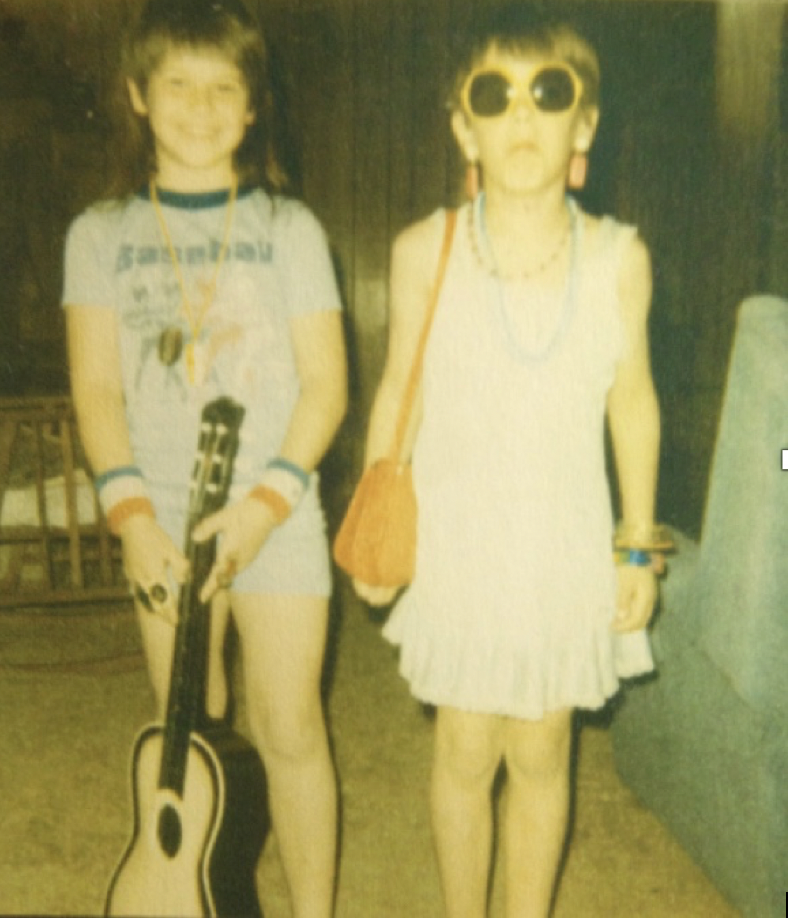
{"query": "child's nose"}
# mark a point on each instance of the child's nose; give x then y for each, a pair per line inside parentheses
(522, 106)
(200, 97)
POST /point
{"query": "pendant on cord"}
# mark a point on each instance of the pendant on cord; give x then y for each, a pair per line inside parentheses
(171, 348)
(170, 345)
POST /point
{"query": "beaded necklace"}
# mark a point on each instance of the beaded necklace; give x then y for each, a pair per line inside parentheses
(487, 258)
(515, 347)
(171, 339)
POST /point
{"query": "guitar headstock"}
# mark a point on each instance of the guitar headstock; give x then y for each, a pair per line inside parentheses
(218, 443)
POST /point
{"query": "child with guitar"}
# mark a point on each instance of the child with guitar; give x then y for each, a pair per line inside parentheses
(202, 278)
(517, 614)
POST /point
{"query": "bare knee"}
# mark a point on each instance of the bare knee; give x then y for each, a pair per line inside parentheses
(468, 747)
(287, 723)
(288, 734)
(283, 643)
(539, 750)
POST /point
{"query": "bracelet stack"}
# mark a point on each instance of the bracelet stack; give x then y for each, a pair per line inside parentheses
(281, 488)
(122, 494)
(642, 546)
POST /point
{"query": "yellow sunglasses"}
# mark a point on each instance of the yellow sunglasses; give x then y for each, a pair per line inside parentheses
(491, 91)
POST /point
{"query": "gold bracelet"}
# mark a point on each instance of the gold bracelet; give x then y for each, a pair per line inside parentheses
(643, 538)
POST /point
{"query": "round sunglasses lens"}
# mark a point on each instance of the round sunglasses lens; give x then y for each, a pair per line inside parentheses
(553, 90)
(488, 94)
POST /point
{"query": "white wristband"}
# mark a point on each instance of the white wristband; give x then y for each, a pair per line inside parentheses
(287, 479)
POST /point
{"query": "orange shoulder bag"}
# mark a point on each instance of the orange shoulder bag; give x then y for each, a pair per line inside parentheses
(376, 542)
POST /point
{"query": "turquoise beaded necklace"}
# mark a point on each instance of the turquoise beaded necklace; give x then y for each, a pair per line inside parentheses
(515, 347)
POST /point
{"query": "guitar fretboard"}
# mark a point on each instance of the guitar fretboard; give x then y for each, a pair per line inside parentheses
(208, 490)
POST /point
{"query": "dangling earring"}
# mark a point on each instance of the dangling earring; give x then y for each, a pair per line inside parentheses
(578, 171)
(472, 179)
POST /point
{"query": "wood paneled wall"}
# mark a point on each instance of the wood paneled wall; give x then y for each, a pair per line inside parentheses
(366, 81)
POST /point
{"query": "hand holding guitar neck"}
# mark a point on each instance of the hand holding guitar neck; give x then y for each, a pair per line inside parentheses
(244, 526)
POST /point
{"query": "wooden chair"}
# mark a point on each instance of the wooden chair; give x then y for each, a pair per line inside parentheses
(55, 548)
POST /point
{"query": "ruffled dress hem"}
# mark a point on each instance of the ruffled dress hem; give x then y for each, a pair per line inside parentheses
(488, 676)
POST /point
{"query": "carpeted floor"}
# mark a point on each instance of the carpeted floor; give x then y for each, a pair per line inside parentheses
(73, 694)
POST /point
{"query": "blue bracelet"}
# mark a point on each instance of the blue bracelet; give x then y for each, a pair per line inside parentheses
(634, 556)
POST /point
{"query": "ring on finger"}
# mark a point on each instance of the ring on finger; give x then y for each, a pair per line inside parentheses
(150, 599)
(159, 593)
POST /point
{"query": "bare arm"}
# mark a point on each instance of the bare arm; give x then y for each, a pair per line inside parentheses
(633, 415)
(319, 346)
(96, 386)
(413, 265)
(633, 411)
(97, 390)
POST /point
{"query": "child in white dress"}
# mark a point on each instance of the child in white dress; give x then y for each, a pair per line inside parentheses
(517, 613)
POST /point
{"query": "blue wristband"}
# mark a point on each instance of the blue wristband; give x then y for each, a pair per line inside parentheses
(286, 466)
(120, 471)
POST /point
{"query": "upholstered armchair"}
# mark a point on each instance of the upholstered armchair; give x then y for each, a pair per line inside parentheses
(705, 743)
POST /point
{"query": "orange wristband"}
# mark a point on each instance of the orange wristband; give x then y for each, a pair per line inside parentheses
(273, 500)
(125, 509)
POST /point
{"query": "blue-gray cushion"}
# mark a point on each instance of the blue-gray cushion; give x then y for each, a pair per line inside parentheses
(739, 596)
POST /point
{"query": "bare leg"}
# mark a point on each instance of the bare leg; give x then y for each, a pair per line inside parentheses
(158, 638)
(283, 643)
(468, 750)
(537, 805)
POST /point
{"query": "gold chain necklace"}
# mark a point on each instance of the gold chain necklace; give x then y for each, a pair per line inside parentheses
(171, 339)
(476, 219)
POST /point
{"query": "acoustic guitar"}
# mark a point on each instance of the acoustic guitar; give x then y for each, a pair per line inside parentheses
(198, 788)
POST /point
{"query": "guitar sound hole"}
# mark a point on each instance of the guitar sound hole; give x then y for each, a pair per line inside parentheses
(170, 831)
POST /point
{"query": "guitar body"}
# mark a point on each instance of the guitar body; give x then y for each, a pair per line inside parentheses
(199, 859)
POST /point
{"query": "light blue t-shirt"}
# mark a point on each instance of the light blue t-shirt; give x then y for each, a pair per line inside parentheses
(277, 267)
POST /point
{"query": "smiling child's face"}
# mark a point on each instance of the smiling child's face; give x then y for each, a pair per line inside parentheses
(197, 104)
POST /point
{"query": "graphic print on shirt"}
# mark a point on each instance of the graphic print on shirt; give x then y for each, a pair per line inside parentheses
(224, 341)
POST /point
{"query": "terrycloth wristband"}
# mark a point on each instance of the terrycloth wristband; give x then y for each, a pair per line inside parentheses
(282, 486)
(122, 494)
(125, 509)
(295, 471)
(274, 500)
(120, 471)
(287, 479)
(118, 484)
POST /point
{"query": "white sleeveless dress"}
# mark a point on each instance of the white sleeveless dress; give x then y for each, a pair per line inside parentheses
(514, 593)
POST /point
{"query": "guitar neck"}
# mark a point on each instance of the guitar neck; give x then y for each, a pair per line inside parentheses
(210, 485)
(186, 702)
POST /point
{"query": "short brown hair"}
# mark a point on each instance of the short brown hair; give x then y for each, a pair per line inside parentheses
(225, 26)
(522, 28)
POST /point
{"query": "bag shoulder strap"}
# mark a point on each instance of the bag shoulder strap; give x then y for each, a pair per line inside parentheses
(415, 371)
